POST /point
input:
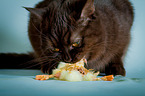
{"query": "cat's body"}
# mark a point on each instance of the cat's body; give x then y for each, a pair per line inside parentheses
(101, 29)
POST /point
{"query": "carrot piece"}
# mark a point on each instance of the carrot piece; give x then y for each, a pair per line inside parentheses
(108, 78)
(42, 77)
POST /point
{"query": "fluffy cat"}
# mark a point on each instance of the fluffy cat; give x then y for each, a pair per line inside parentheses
(69, 30)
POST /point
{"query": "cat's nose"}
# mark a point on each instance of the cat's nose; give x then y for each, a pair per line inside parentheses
(66, 56)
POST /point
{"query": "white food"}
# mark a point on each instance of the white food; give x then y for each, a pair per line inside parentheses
(73, 76)
(74, 72)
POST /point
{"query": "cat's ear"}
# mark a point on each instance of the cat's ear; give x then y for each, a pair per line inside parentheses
(88, 9)
(38, 12)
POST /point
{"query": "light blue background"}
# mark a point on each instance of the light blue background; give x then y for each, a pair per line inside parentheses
(14, 38)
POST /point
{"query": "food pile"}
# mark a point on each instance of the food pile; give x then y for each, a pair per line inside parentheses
(74, 72)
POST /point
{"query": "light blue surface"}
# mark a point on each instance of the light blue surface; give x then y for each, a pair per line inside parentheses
(22, 83)
(13, 38)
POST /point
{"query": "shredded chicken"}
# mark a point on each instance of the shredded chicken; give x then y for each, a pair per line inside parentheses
(74, 72)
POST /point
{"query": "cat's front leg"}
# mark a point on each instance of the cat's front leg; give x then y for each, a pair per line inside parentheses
(115, 67)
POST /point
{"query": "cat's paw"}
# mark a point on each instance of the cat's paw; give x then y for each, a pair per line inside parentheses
(115, 70)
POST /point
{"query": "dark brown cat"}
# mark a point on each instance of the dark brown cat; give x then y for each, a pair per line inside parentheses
(69, 30)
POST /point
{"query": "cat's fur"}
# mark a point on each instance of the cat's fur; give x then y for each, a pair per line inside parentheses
(101, 27)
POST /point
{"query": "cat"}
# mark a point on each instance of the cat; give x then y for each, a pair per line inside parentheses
(69, 30)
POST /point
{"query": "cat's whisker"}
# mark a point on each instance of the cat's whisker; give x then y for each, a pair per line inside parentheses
(37, 62)
(30, 64)
(38, 36)
(43, 52)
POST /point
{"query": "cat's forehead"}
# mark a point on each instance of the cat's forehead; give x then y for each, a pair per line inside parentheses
(62, 24)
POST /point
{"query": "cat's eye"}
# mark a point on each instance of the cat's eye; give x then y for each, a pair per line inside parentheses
(56, 49)
(76, 44)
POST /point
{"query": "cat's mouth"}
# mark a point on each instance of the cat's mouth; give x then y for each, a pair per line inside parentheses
(84, 60)
(77, 59)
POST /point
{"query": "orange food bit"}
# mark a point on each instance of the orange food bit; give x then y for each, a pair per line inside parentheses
(43, 77)
(108, 78)
(57, 75)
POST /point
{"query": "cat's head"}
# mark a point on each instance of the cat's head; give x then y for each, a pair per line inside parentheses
(64, 26)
